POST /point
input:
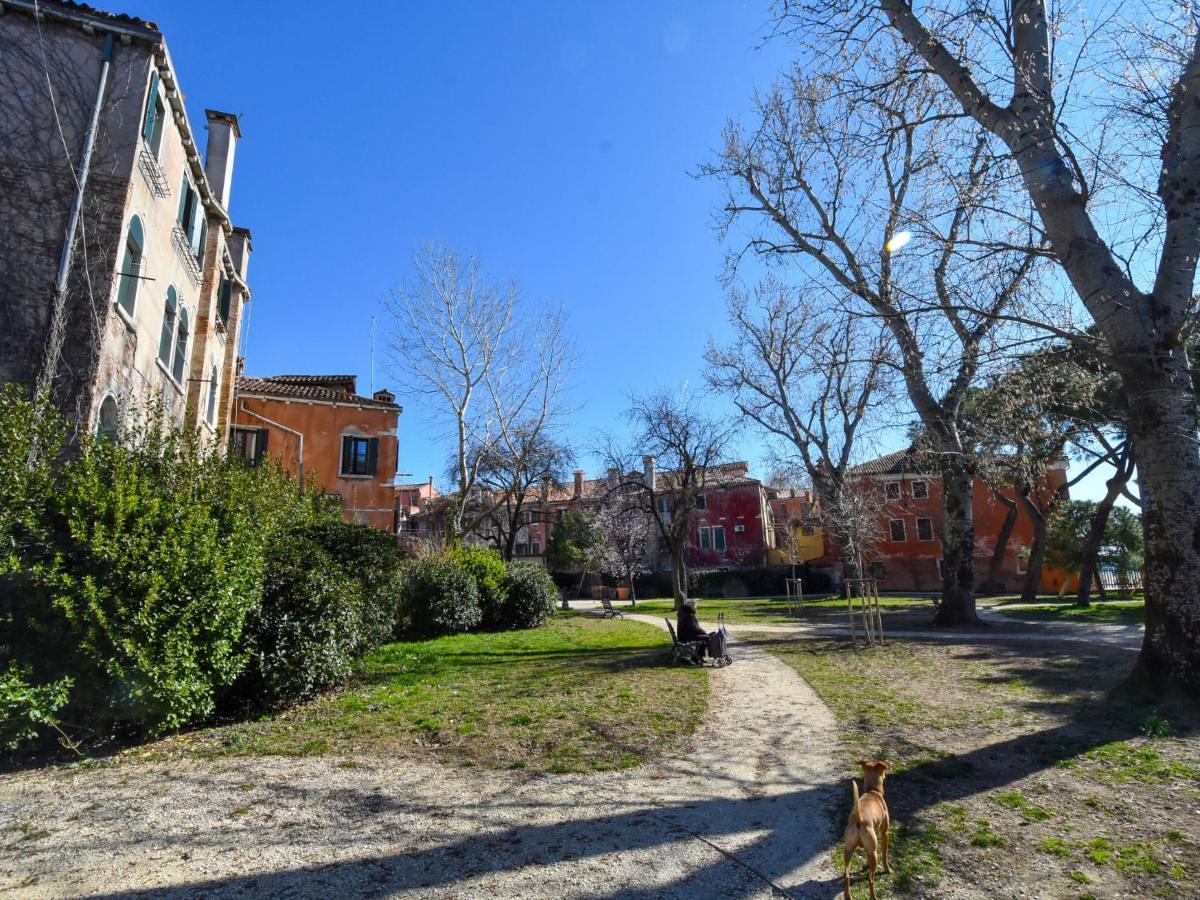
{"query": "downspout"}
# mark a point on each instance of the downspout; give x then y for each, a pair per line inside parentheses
(53, 345)
(298, 434)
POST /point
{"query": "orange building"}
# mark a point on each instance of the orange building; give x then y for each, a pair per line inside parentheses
(911, 515)
(320, 429)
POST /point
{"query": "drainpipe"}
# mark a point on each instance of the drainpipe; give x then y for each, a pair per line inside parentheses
(298, 434)
(50, 363)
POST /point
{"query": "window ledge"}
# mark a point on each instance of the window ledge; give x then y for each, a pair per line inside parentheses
(170, 378)
(125, 317)
(348, 477)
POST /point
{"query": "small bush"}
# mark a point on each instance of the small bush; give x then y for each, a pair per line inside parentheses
(306, 633)
(531, 594)
(25, 708)
(486, 566)
(439, 598)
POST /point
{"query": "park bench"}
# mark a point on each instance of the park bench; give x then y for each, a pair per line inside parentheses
(609, 610)
(682, 650)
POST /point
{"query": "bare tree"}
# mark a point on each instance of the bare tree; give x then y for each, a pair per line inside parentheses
(1108, 149)
(517, 463)
(841, 185)
(493, 370)
(681, 446)
(810, 378)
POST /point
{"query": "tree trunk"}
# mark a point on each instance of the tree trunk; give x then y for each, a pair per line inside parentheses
(1037, 550)
(1002, 539)
(678, 574)
(1088, 569)
(1162, 424)
(958, 546)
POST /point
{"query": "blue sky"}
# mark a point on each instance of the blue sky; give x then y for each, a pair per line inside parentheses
(557, 141)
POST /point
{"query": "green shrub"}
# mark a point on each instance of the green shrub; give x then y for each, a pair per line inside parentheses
(531, 595)
(308, 630)
(158, 559)
(486, 566)
(31, 437)
(372, 557)
(439, 598)
(25, 708)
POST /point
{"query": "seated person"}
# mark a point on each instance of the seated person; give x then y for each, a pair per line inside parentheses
(688, 628)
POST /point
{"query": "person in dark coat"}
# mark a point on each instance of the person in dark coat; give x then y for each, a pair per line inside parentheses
(688, 628)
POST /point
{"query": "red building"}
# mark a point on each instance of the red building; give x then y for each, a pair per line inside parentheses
(911, 519)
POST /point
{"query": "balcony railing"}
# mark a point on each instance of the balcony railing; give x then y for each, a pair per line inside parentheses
(183, 249)
(156, 178)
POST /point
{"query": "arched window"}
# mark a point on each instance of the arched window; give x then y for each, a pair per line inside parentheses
(212, 395)
(107, 421)
(181, 346)
(131, 266)
(167, 341)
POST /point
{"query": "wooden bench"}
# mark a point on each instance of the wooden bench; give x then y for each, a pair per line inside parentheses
(682, 650)
(609, 610)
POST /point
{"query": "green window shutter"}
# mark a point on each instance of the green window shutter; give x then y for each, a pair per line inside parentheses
(704, 539)
(152, 122)
(183, 201)
(260, 445)
(372, 456)
(202, 235)
(127, 288)
(181, 346)
(718, 538)
(168, 328)
(224, 299)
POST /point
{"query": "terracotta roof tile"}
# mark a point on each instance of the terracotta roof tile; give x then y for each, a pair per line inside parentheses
(890, 464)
(292, 388)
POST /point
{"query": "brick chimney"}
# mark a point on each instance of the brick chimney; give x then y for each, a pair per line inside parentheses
(223, 135)
(384, 396)
(648, 472)
(579, 484)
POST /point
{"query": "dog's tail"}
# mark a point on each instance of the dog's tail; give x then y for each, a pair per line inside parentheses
(857, 814)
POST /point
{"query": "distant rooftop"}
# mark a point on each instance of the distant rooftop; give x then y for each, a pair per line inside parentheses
(318, 388)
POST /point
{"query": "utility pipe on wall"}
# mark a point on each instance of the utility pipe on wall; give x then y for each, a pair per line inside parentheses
(298, 434)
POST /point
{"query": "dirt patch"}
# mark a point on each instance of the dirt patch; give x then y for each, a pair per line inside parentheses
(1021, 768)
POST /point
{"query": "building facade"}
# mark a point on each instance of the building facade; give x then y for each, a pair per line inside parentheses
(131, 289)
(320, 430)
(909, 555)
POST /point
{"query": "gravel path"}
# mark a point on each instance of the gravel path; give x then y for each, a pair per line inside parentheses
(747, 810)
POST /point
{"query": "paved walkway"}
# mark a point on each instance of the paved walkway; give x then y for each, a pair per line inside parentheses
(747, 810)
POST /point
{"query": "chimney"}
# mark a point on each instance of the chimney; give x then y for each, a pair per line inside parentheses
(648, 471)
(240, 365)
(545, 488)
(613, 474)
(578, 484)
(384, 396)
(223, 135)
(239, 243)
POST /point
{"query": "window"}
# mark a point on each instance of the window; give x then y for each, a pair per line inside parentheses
(131, 266)
(167, 341)
(187, 207)
(107, 421)
(535, 548)
(198, 243)
(360, 455)
(718, 537)
(924, 529)
(701, 502)
(664, 505)
(705, 539)
(920, 490)
(212, 395)
(181, 346)
(896, 526)
(224, 298)
(248, 444)
(152, 122)
(891, 490)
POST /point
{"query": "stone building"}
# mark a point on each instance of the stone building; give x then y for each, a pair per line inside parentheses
(116, 244)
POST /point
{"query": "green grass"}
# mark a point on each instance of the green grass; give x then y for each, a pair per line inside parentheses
(767, 610)
(581, 694)
(1111, 612)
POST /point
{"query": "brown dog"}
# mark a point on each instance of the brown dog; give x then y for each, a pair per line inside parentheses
(870, 813)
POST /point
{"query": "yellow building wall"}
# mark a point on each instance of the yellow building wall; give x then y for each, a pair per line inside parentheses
(807, 546)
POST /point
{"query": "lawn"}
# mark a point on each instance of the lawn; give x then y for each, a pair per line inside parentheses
(581, 694)
(1027, 766)
(1110, 612)
(771, 610)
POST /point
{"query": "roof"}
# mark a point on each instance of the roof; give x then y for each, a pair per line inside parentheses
(897, 463)
(314, 388)
(70, 9)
